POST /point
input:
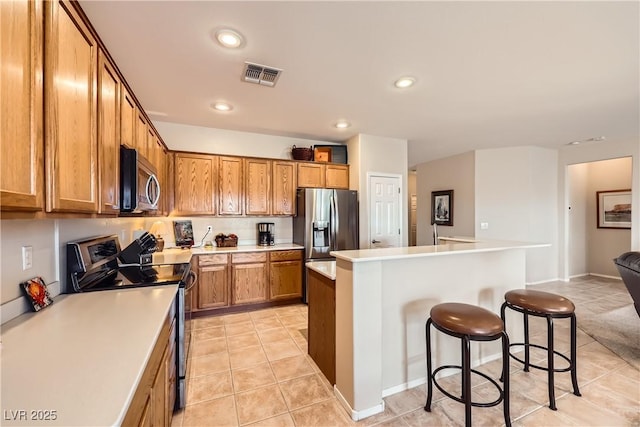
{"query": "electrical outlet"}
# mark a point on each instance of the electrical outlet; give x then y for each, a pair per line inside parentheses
(484, 226)
(209, 228)
(27, 257)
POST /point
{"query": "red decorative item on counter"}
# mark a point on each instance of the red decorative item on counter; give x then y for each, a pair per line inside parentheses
(37, 293)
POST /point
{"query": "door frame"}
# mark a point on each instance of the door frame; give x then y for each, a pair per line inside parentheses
(401, 212)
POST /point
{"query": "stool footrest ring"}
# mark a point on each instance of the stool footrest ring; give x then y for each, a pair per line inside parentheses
(542, 368)
(458, 399)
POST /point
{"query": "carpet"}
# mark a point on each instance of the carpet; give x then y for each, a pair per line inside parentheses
(618, 330)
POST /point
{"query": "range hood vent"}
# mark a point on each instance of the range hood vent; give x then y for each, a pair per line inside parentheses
(260, 74)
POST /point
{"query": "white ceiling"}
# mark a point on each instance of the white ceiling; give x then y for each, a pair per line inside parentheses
(489, 74)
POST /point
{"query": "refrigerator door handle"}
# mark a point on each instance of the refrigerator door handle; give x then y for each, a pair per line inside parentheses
(335, 224)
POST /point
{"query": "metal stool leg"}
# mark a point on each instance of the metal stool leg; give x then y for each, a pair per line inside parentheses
(504, 322)
(526, 341)
(574, 356)
(466, 379)
(550, 371)
(505, 379)
(427, 406)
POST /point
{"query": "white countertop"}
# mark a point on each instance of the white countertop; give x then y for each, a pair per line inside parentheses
(326, 268)
(81, 357)
(451, 248)
(246, 248)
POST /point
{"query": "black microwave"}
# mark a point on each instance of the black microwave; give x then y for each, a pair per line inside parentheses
(139, 185)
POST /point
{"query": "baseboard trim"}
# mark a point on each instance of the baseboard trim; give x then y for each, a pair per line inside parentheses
(605, 276)
(545, 281)
(357, 415)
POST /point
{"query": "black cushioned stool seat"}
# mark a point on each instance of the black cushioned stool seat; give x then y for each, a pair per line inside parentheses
(550, 306)
(469, 323)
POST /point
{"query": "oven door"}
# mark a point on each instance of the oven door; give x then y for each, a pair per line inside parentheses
(183, 337)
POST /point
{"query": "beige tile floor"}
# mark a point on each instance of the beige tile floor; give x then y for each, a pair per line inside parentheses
(252, 369)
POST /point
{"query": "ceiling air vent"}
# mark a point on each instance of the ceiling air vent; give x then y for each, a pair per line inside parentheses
(260, 74)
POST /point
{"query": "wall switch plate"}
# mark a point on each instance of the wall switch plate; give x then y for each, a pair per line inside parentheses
(484, 226)
(27, 257)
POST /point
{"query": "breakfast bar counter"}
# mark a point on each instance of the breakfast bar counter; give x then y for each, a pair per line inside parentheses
(383, 299)
(78, 362)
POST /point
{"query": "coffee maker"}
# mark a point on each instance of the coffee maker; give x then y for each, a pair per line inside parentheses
(265, 234)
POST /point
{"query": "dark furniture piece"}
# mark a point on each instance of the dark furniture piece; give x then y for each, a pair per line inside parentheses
(321, 333)
(469, 323)
(549, 306)
(628, 265)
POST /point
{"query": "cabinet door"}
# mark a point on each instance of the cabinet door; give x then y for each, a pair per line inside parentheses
(142, 135)
(71, 59)
(249, 283)
(311, 175)
(230, 179)
(257, 186)
(194, 184)
(159, 394)
(337, 176)
(108, 135)
(213, 286)
(286, 280)
(284, 188)
(128, 119)
(21, 144)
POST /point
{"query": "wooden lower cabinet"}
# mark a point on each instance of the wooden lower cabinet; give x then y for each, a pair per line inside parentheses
(213, 281)
(249, 277)
(285, 275)
(244, 279)
(152, 403)
(322, 323)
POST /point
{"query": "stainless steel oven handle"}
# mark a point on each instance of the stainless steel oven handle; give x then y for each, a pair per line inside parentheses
(194, 278)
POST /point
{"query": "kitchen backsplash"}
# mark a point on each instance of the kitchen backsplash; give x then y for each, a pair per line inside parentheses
(48, 238)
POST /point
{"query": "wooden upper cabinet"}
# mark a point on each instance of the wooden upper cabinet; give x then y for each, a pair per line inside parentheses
(230, 186)
(311, 175)
(108, 135)
(142, 135)
(21, 144)
(283, 201)
(71, 151)
(257, 186)
(128, 119)
(337, 176)
(194, 183)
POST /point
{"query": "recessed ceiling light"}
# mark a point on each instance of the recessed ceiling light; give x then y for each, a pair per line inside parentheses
(574, 143)
(342, 124)
(229, 38)
(404, 82)
(222, 106)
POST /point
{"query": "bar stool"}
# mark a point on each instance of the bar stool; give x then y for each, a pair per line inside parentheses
(469, 323)
(550, 306)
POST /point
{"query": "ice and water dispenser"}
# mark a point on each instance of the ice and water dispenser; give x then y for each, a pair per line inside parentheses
(321, 235)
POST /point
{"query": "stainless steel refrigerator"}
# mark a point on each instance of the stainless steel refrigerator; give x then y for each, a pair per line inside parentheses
(326, 220)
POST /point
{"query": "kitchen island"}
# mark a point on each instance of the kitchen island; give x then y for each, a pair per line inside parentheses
(80, 361)
(383, 299)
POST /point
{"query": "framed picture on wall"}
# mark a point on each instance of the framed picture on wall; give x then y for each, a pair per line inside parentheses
(614, 209)
(442, 207)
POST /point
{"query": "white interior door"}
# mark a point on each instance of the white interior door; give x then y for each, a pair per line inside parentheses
(384, 212)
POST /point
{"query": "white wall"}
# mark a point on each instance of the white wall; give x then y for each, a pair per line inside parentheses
(605, 244)
(577, 212)
(571, 155)
(455, 173)
(220, 141)
(516, 194)
(368, 155)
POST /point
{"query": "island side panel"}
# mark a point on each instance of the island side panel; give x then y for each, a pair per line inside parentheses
(359, 337)
(411, 287)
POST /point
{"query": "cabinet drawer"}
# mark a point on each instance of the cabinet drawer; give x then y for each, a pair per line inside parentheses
(212, 259)
(286, 255)
(249, 257)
